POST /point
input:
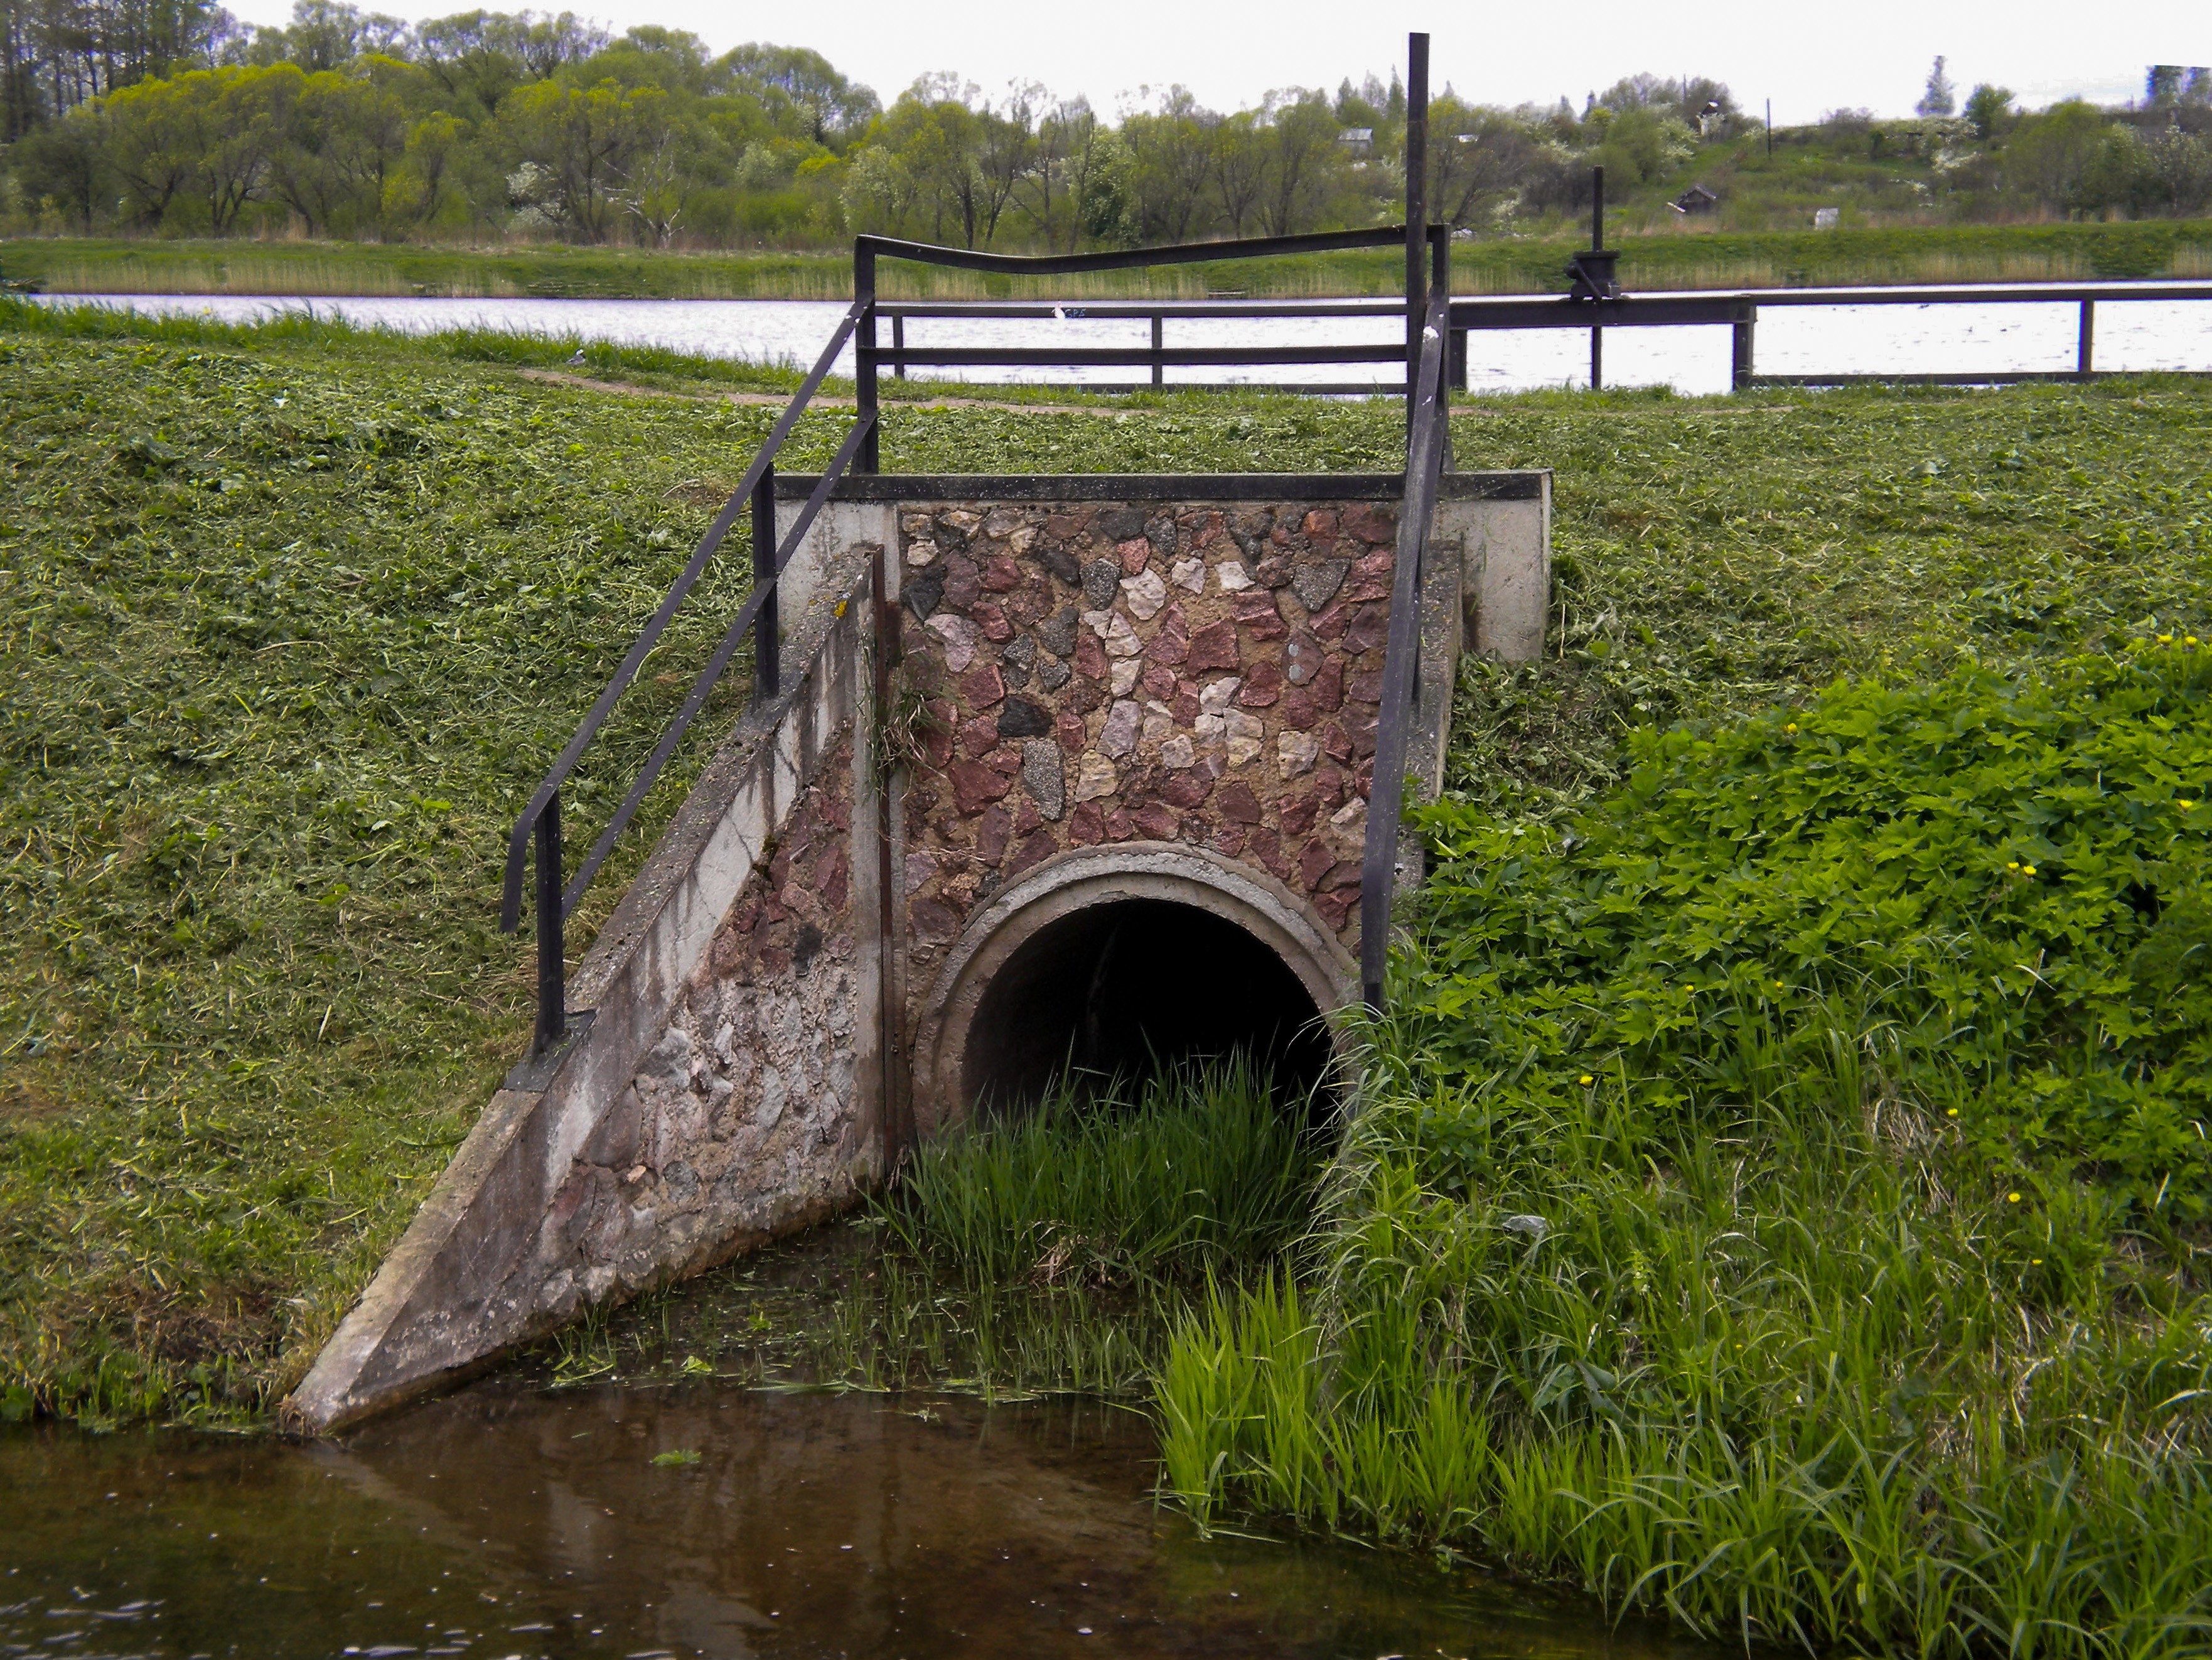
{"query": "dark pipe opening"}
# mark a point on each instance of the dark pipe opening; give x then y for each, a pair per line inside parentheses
(1132, 986)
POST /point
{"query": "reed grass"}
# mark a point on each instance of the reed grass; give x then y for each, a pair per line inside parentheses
(1195, 1169)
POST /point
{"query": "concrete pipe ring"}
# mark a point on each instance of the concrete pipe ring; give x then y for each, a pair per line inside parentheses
(1046, 934)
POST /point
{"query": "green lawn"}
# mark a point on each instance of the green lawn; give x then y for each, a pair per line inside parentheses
(294, 618)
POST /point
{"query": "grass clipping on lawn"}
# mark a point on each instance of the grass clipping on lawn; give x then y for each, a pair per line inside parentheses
(292, 618)
(1782, 1192)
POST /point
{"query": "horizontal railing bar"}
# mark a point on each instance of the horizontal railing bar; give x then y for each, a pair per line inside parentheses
(1108, 356)
(704, 684)
(1305, 388)
(1966, 294)
(1086, 311)
(517, 848)
(1962, 378)
(1630, 311)
(1185, 253)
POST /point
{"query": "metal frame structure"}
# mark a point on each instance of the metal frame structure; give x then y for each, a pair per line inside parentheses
(1434, 359)
(1428, 252)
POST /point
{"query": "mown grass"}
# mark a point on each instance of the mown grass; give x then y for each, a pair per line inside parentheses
(293, 618)
(1520, 265)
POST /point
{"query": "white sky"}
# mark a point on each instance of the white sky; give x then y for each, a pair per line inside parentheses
(1808, 57)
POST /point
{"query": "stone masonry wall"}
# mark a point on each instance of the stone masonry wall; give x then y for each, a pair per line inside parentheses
(1161, 671)
(742, 1124)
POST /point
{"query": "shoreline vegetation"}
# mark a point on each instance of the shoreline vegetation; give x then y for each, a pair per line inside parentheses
(1689, 259)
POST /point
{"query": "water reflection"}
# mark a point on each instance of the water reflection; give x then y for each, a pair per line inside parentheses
(513, 1520)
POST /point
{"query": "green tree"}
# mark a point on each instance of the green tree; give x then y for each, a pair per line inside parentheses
(2051, 156)
(582, 143)
(344, 143)
(1169, 168)
(1987, 108)
(1937, 99)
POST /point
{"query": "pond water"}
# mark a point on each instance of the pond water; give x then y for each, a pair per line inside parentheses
(1959, 338)
(517, 1519)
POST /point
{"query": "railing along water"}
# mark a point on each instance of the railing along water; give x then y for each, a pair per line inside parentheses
(539, 824)
(540, 821)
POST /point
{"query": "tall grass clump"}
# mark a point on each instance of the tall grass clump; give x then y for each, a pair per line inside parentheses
(1199, 1168)
(1781, 1199)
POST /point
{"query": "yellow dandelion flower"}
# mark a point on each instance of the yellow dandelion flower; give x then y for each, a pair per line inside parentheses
(2035, 1262)
(2190, 640)
(2012, 1199)
(1587, 1078)
(2011, 864)
(1950, 1112)
(2028, 869)
(2166, 639)
(1792, 726)
(2187, 806)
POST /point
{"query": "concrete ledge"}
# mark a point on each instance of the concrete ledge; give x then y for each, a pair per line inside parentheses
(1516, 486)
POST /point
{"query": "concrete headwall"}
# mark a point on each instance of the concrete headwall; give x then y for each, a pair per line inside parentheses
(1093, 687)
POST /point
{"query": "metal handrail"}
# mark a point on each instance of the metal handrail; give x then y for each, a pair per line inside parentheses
(538, 825)
(1424, 461)
(540, 821)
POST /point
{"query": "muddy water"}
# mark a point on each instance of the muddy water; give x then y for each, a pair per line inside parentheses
(513, 1519)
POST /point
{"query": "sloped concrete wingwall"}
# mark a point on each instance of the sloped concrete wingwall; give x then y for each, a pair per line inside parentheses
(1156, 685)
(724, 1072)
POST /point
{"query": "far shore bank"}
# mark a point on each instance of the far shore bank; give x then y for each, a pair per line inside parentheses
(1962, 253)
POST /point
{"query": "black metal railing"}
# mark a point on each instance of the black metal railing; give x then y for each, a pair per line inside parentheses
(540, 822)
(1427, 446)
(1426, 354)
(1739, 310)
(539, 826)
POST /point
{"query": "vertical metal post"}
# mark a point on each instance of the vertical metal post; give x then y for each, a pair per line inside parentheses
(1440, 283)
(552, 973)
(1159, 339)
(767, 631)
(1417, 216)
(898, 347)
(1597, 358)
(864, 354)
(2085, 346)
(1456, 369)
(1740, 368)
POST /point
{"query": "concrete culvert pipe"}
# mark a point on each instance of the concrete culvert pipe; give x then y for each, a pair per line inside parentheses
(1128, 986)
(1122, 960)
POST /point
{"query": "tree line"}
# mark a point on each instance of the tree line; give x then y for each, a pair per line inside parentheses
(167, 116)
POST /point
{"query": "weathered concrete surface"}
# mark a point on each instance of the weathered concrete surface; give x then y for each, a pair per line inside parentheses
(639, 1158)
(1168, 694)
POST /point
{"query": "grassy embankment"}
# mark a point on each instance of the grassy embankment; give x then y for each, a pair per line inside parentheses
(294, 618)
(1782, 1201)
(1683, 259)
